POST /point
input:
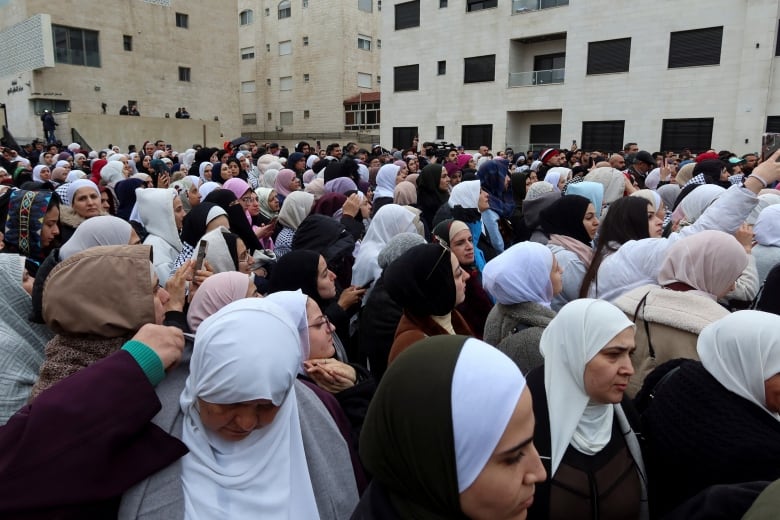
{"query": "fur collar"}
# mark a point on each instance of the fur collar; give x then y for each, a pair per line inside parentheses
(70, 218)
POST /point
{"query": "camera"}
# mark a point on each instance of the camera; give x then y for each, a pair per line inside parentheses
(439, 149)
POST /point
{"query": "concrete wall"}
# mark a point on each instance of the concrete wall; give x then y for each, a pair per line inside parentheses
(738, 93)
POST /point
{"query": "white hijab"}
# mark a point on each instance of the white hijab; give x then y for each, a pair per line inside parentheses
(577, 333)
(390, 220)
(696, 202)
(294, 303)
(767, 228)
(520, 274)
(263, 475)
(742, 351)
(465, 194)
(553, 176)
(385, 181)
(103, 230)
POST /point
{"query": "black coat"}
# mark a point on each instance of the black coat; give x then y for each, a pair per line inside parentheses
(700, 434)
(379, 319)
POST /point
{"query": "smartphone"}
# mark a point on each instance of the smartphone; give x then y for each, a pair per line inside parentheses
(273, 221)
(367, 284)
(318, 143)
(203, 248)
(769, 145)
(574, 142)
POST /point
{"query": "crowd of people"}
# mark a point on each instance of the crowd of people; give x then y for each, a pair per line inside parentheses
(338, 332)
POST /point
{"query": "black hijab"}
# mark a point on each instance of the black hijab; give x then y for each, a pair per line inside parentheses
(297, 270)
(329, 238)
(421, 280)
(564, 217)
(769, 297)
(195, 223)
(125, 192)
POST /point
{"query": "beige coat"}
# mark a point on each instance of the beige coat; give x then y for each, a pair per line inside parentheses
(674, 320)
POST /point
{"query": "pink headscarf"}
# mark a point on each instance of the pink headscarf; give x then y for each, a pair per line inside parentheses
(283, 180)
(216, 292)
(463, 160)
(238, 186)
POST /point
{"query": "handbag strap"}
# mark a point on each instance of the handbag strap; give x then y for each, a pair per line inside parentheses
(641, 305)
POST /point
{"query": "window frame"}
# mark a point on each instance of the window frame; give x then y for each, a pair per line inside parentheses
(698, 144)
(285, 83)
(284, 9)
(473, 6)
(246, 17)
(408, 84)
(682, 55)
(410, 15)
(472, 64)
(185, 74)
(69, 55)
(247, 53)
(182, 20)
(608, 56)
(603, 135)
(364, 75)
(472, 136)
(366, 42)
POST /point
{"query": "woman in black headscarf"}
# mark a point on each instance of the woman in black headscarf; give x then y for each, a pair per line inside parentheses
(125, 192)
(428, 282)
(203, 218)
(570, 224)
(449, 434)
(239, 224)
(433, 190)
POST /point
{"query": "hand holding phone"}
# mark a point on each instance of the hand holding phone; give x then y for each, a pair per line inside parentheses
(203, 248)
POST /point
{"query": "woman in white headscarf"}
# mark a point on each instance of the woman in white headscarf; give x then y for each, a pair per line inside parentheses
(241, 421)
(385, 187)
(391, 220)
(695, 203)
(523, 296)
(584, 422)
(715, 421)
(614, 183)
(557, 177)
(697, 271)
(296, 207)
(767, 235)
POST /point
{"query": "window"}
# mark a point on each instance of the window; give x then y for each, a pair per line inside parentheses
(378, 43)
(378, 79)
(609, 56)
(403, 136)
(184, 74)
(440, 129)
(285, 9)
(361, 116)
(267, 47)
(478, 5)
(697, 47)
(132, 102)
(364, 80)
(246, 17)
(366, 5)
(247, 53)
(248, 119)
(479, 69)
(695, 134)
(378, 5)
(773, 124)
(474, 136)
(75, 46)
(270, 116)
(285, 48)
(606, 136)
(127, 42)
(285, 118)
(305, 41)
(305, 78)
(247, 86)
(545, 136)
(182, 20)
(268, 82)
(441, 68)
(305, 4)
(53, 105)
(267, 11)
(549, 68)
(306, 114)
(364, 42)
(407, 15)
(777, 45)
(406, 77)
(285, 83)
(442, 4)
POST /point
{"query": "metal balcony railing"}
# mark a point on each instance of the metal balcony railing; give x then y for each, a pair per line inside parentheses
(523, 6)
(536, 77)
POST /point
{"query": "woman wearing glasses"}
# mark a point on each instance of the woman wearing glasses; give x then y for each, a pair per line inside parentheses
(428, 282)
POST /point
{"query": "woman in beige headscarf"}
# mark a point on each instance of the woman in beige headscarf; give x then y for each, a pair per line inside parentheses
(669, 316)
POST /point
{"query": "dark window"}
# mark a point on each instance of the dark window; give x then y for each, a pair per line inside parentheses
(478, 5)
(182, 20)
(184, 74)
(127, 42)
(441, 67)
(474, 136)
(442, 3)
(695, 134)
(479, 68)
(545, 136)
(773, 124)
(406, 77)
(697, 47)
(285, 9)
(407, 15)
(548, 68)
(605, 136)
(609, 56)
(403, 136)
(75, 46)
(439, 132)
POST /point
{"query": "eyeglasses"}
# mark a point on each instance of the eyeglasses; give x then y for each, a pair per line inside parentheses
(246, 257)
(444, 251)
(249, 199)
(323, 321)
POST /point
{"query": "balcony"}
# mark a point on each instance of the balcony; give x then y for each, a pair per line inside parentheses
(536, 77)
(525, 6)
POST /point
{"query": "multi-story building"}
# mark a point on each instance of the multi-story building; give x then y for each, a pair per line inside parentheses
(86, 60)
(309, 67)
(537, 73)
